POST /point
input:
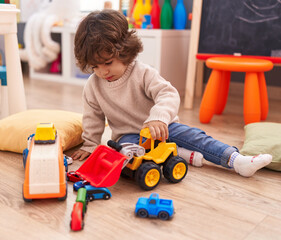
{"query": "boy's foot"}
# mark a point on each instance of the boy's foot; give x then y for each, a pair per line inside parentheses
(192, 157)
(246, 166)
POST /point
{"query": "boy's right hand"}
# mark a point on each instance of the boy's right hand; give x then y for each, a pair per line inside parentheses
(80, 155)
(158, 130)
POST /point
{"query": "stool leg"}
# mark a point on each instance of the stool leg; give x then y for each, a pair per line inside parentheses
(263, 96)
(4, 111)
(15, 85)
(209, 100)
(252, 106)
(223, 92)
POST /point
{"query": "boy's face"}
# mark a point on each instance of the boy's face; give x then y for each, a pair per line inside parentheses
(111, 70)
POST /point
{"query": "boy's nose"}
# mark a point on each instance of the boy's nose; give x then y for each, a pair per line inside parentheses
(105, 72)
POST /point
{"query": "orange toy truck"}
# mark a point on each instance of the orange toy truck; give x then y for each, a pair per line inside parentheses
(44, 166)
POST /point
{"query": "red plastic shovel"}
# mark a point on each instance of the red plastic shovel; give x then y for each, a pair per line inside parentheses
(103, 167)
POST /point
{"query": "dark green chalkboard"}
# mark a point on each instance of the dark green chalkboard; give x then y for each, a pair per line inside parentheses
(249, 27)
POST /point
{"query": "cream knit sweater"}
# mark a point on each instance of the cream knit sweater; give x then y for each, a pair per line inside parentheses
(140, 95)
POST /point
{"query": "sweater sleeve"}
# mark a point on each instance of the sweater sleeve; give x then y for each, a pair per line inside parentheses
(164, 95)
(93, 120)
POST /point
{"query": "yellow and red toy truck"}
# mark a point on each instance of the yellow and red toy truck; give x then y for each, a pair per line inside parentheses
(146, 169)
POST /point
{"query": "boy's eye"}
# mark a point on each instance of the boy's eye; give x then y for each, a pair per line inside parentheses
(108, 63)
(94, 67)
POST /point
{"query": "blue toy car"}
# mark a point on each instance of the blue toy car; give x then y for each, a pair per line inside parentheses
(154, 207)
(94, 193)
(80, 184)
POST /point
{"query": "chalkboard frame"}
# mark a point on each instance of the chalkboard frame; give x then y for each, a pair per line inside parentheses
(246, 27)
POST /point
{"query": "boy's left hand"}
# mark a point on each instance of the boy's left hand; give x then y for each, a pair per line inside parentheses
(158, 130)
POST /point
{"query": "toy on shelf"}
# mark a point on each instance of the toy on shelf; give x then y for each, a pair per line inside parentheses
(180, 16)
(155, 14)
(154, 207)
(147, 7)
(146, 169)
(40, 48)
(79, 210)
(44, 166)
(56, 66)
(138, 13)
(146, 23)
(166, 15)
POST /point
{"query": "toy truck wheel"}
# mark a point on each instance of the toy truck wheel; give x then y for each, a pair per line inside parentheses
(90, 198)
(175, 169)
(163, 215)
(106, 196)
(148, 175)
(25, 199)
(142, 213)
(65, 196)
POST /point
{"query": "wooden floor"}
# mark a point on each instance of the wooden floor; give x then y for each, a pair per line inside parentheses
(210, 203)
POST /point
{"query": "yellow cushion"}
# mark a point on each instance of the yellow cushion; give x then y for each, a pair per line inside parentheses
(15, 129)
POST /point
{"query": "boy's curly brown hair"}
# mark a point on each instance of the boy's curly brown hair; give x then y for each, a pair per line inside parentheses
(105, 33)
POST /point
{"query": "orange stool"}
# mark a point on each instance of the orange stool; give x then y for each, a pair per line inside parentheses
(255, 92)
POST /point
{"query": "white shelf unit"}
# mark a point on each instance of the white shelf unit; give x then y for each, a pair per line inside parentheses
(68, 65)
(165, 50)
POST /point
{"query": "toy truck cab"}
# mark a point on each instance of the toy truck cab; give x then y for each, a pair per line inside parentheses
(146, 169)
(154, 207)
(45, 133)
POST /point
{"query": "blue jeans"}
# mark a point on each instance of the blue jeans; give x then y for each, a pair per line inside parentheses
(194, 139)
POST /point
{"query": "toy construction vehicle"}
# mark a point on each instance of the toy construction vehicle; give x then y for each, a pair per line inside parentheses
(146, 169)
(142, 162)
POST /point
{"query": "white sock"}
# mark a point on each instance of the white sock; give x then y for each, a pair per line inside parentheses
(246, 166)
(192, 157)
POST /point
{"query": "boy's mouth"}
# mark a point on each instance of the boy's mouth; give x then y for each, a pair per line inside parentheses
(109, 78)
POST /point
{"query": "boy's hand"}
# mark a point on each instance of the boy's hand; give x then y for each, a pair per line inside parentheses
(80, 155)
(158, 130)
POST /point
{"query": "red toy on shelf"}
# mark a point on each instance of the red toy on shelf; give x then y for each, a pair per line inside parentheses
(103, 167)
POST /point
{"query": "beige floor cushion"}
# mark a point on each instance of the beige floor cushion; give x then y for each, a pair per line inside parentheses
(15, 129)
(264, 137)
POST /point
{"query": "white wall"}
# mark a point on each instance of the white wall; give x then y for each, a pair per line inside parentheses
(28, 7)
(90, 5)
